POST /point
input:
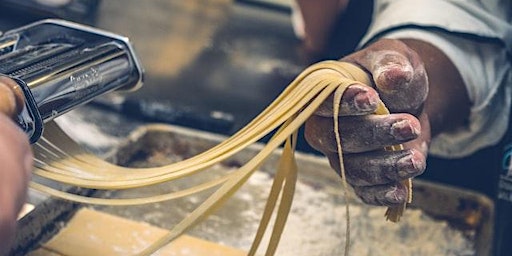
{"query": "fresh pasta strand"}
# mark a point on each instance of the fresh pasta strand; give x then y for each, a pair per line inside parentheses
(59, 158)
(336, 107)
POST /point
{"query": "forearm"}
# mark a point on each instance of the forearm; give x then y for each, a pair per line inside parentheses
(475, 38)
(447, 105)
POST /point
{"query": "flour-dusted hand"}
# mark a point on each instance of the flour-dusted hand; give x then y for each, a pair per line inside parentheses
(400, 81)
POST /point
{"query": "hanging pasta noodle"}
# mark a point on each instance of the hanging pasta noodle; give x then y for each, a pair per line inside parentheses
(59, 158)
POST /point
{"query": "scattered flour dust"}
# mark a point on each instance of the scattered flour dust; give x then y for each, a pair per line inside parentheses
(316, 227)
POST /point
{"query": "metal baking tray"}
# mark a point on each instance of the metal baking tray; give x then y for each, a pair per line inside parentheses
(316, 225)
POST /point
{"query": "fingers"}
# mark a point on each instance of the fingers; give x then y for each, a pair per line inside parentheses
(375, 175)
(361, 133)
(400, 81)
(380, 167)
(373, 172)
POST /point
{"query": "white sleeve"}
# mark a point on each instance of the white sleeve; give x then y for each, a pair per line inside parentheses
(481, 52)
(489, 19)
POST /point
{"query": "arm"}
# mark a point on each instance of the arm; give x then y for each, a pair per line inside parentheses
(447, 105)
(16, 163)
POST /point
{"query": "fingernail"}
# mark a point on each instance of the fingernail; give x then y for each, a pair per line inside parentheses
(364, 101)
(395, 195)
(394, 77)
(410, 165)
(404, 130)
(392, 70)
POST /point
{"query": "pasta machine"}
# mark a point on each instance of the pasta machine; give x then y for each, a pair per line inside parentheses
(60, 65)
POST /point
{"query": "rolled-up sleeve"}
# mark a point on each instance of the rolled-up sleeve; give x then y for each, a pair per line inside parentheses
(477, 38)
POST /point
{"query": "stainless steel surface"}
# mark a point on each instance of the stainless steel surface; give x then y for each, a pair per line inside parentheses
(65, 65)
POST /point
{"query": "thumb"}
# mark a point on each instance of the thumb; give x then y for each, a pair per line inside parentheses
(398, 73)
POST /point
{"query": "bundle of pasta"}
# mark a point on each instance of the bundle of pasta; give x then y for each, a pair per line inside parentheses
(60, 159)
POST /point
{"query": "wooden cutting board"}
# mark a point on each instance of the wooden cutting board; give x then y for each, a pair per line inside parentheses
(91, 232)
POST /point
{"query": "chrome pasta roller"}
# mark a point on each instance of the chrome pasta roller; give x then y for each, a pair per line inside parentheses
(60, 65)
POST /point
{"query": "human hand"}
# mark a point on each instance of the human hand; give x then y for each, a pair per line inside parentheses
(16, 163)
(400, 81)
